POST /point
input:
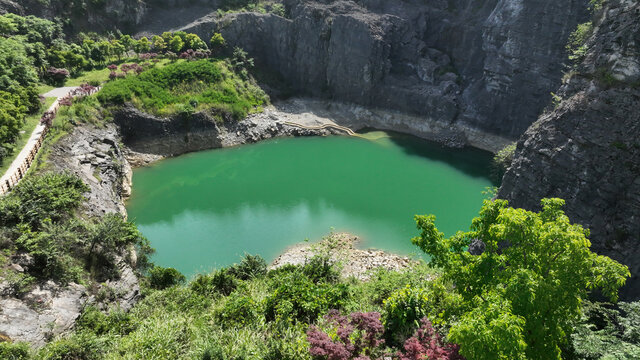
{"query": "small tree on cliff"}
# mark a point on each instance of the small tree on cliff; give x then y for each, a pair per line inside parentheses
(523, 293)
(216, 42)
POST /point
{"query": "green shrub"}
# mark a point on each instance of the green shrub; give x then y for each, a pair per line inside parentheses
(321, 269)
(17, 351)
(218, 282)
(238, 310)
(99, 323)
(81, 345)
(606, 331)
(251, 266)
(502, 160)
(53, 251)
(403, 311)
(299, 298)
(36, 198)
(576, 46)
(185, 87)
(161, 278)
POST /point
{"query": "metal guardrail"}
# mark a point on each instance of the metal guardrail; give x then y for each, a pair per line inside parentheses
(12, 180)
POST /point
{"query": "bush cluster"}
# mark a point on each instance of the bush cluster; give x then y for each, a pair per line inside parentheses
(38, 219)
(195, 85)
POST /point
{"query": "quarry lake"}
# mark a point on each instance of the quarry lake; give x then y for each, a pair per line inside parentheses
(206, 210)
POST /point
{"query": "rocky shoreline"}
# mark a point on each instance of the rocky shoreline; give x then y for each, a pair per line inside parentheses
(341, 249)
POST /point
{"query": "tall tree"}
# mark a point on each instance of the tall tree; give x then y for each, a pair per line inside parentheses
(524, 291)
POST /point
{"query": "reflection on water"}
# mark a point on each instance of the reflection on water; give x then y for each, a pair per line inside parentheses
(207, 209)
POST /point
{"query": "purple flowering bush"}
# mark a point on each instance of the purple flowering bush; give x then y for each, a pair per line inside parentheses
(359, 337)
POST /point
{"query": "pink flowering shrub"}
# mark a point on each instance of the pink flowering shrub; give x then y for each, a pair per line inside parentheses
(112, 67)
(66, 101)
(359, 337)
(428, 344)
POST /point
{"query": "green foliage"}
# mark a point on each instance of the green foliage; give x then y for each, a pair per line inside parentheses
(171, 89)
(321, 269)
(296, 297)
(19, 351)
(251, 266)
(524, 291)
(12, 114)
(51, 196)
(161, 278)
(403, 311)
(97, 322)
(80, 345)
(502, 160)
(607, 332)
(577, 46)
(218, 282)
(241, 62)
(239, 310)
(50, 249)
(176, 44)
(217, 42)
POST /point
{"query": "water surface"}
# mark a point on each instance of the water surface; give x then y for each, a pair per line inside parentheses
(207, 209)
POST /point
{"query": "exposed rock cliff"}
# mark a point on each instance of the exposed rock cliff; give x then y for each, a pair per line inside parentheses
(483, 64)
(587, 150)
(148, 134)
(487, 64)
(50, 309)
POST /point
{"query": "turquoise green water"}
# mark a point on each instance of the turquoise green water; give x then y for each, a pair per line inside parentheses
(207, 209)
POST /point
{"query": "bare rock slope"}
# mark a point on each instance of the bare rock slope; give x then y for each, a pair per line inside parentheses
(587, 150)
(485, 64)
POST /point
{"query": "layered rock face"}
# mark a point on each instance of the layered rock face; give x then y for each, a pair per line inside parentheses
(486, 64)
(587, 150)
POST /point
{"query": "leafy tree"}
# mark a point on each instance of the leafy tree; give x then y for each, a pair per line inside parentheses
(106, 49)
(12, 113)
(524, 292)
(193, 41)
(176, 44)
(117, 48)
(128, 42)
(158, 43)
(143, 45)
(216, 42)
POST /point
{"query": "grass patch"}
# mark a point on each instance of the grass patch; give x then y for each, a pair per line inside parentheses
(102, 75)
(186, 87)
(44, 88)
(31, 121)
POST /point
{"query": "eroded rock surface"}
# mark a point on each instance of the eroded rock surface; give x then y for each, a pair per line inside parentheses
(489, 65)
(148, 134)
(587, 150)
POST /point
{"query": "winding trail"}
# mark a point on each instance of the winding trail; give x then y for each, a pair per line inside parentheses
(22, 162)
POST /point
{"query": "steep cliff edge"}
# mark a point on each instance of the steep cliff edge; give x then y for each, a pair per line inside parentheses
(587, 150)
(489, 65)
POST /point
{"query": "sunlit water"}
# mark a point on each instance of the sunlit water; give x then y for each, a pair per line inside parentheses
(207, 209)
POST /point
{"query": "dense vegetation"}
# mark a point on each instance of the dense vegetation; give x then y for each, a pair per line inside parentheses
(186, 87)
(38, 219)
(497, 308)
(35, 51)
